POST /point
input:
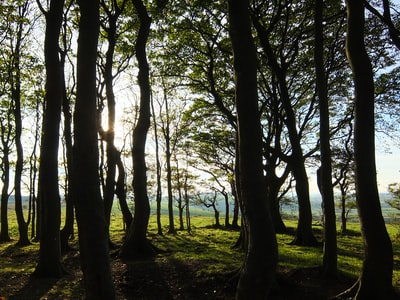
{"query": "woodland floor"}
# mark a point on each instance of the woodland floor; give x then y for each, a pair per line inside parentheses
(163, 278)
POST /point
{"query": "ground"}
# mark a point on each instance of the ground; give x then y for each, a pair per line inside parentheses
(162, 278)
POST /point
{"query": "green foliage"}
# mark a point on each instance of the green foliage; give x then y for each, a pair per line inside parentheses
(394, 190)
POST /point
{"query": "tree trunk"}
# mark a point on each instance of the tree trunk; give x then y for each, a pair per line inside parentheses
(158, 171)
(111, 152)
(329, 264)
(227, 208)
(304, 234)
(258, 271)
(136, 244)
(5, 178)
(120, 191)
(273, 184)
(93, 237)
(50, 251)
(19, 165)
(375, 281)
(167, 137)
(68, 230)
(235, 218)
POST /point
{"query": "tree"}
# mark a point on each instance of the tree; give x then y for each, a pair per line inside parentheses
(16, 96)
(49, 196)
(394, 190)
(279, 66)
(136, 243)
(329, 263)
(375, 281)
(92, 229)
(5, 147)
(258, 271)
(68, 229)
(113, 11)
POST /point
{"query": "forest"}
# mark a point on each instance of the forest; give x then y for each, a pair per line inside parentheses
(148, 148)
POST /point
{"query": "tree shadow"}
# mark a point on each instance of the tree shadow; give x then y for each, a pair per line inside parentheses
(35, 288)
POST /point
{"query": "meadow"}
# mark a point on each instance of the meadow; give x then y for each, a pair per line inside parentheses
(201, 264)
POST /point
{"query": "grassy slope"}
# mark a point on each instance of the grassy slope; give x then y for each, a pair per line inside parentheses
(205, 253)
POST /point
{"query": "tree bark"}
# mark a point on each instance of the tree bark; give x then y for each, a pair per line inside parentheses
(16, 98)
(136, 244)
(158, 171)
(92, 229)
(68, 230)
(50, 250)
(329, 263)
(375, 281)
(258, 271)
(5, 179)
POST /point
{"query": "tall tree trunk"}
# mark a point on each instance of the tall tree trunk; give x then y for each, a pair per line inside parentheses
(5, 179)
(92, 229)
(325, 183)
(120, 191)
(16, 98)
(136, 243)
(111, 151)
(68, 230)
(158, 171)
(260, 262)
(167, 137)
(49, 195)
(235, 218)
(375, 281)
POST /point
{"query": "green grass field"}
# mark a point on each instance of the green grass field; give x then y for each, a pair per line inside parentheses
(207, 245)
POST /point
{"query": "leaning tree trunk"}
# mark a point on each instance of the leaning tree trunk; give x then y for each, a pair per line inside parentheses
(258, 271)
(92, 229)
(375, 281)
(49, 196)
(136, 244)
(329, 263)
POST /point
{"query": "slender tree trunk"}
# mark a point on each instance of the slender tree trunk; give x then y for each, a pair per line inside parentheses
(68, 230)
(227, 209)
(16, 98)
(235, 218)
(136, 244)
(120, 191)
(343, 215)
(50, 251)
(330, 244)
(375, 281)
(273, 185)
(92, 228)
(5, 178)
(33, 173)
(260, 262)
(111, 151)
(158, 171)
(167, 137)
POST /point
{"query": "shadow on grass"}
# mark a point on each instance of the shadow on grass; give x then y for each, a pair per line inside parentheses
(35, 288)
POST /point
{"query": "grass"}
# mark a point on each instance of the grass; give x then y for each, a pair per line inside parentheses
(205, 246)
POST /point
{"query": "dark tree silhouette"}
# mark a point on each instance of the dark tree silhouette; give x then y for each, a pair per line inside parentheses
(136, 243)
(259, 267)
(92, 229)
(49, 195)
(375, 281)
